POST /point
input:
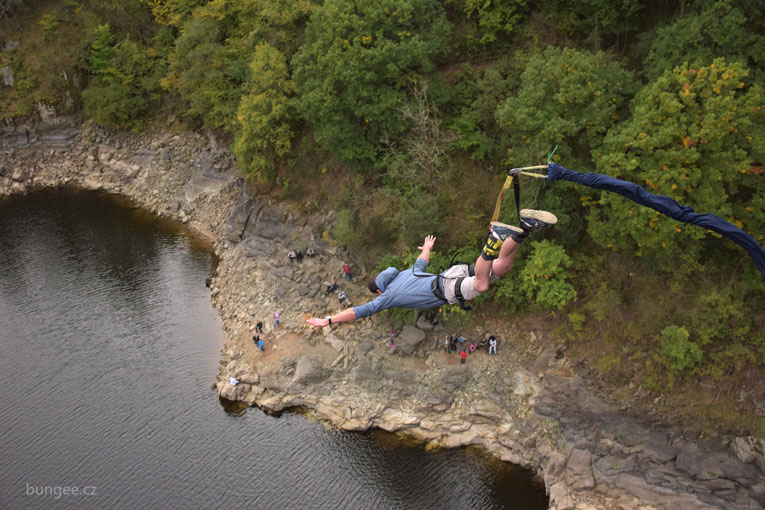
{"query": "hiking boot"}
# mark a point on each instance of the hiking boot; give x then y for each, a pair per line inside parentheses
(532, 220)
(500, 232)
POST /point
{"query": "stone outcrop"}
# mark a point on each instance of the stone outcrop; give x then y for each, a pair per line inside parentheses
(526, 405)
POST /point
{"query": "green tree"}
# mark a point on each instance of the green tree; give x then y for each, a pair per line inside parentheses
(208, 73)
(717, 29)
(266, 114)
(695, 135)
(598, 20)
(102, 50)
(126, 82)
(477, 96)
(493, 18)
(172, 12)
(352, 72)
(567, 98)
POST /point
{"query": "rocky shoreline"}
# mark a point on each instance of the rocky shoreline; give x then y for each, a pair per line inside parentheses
(526, 406)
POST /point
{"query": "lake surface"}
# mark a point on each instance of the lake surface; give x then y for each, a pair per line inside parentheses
(108, 349)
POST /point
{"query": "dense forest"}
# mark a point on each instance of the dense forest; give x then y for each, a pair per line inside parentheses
(405, 115)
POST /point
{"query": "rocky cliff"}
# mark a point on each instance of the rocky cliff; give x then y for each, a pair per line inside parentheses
(526, 405)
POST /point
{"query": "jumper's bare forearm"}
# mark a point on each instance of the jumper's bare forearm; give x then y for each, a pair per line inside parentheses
(346, 315)
(427, 245)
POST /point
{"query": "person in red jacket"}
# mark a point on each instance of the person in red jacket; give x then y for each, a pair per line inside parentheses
(347, 271)
(463, 356)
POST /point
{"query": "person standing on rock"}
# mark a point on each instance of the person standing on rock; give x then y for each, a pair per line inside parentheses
(414, 288)
(277, 316)
(463, 356)
(292, 256)
(347, 272)
(259, 327)
(447, 344)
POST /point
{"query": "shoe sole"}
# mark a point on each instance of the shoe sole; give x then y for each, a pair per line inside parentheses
(518, 230)
(543, 216)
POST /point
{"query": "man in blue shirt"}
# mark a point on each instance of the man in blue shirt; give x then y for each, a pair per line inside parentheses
(414, 288)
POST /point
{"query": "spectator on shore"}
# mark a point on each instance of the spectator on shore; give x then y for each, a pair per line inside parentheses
(473, 346)
(463, 356)
(447, 344)
(309, 252)
(347, 272)
(453, 343)
(277, 316)
(492, 345)
(259, 327)
(299, 256)
(292, 256)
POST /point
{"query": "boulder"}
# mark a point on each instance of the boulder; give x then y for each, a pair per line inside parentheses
(239, 216)
(309, 369)
(409, 339)
(579, 470)
(744, 449)
(335, 342)
(424, 323)
(6, 73)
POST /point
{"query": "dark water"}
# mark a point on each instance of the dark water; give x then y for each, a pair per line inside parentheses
(108, 348)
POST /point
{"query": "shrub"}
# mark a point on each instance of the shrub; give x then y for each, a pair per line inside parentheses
(679, 353)
(543, 277)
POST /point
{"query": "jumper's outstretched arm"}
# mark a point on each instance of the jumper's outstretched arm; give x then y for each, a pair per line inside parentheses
(346, 315)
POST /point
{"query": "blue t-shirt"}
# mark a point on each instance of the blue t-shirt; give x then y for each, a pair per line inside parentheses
(404, 290)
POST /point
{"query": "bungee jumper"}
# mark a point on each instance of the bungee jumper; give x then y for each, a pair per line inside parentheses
(414, 288)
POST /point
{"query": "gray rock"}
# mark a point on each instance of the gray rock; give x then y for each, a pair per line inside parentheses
(455, 376)
(423, 323)
(660, 454)
(365, 372)
(365, 347)
(287, 365)
(615, 464)
(335, 342)
(744, 449)
(7, 76)
(309, 369)
(409, 339)
(210, 182)
(240, 214)
(579, 470)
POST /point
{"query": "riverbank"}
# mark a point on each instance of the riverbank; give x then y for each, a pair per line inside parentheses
(527, 405)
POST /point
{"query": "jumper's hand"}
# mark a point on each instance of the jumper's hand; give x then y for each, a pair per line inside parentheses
(429, 242)
(319, 323)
